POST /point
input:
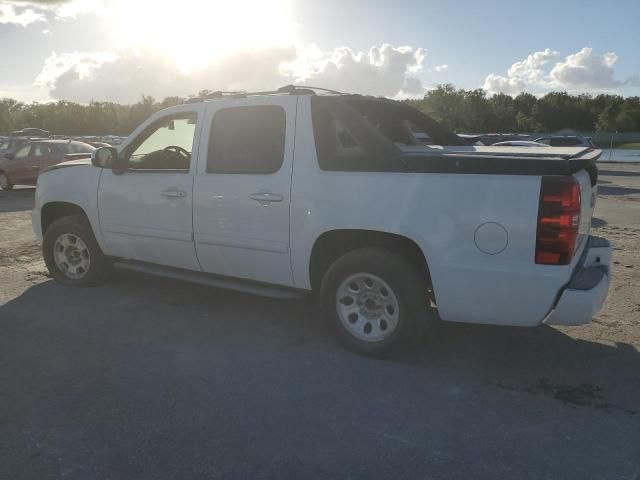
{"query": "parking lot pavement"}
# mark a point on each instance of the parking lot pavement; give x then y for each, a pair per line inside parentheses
(148, 378)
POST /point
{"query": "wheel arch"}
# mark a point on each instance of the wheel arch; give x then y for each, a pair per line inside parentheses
(52, 211)
(332, 244)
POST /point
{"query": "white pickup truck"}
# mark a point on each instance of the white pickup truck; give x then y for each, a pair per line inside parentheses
(296, 191)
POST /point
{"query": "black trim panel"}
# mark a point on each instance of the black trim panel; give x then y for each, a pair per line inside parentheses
(587, 278)
(497, 165)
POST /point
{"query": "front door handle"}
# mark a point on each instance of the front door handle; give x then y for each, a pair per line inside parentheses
(174, 193)
(266, 197)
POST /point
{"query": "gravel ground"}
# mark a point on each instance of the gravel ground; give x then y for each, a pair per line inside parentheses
(147, 378)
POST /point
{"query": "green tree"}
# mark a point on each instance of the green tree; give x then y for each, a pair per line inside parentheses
(461, 110)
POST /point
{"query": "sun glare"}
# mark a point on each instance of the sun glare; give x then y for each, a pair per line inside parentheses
(194, 32)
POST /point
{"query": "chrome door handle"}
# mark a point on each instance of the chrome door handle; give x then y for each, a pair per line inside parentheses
(172, 192)
(266, 197)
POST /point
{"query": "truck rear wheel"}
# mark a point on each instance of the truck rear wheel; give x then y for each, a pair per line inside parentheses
(72, 253)
(374, 299)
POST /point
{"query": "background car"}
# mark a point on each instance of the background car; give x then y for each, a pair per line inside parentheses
(11, 144)
(520, 143)
(98, 144)
(24, 166)
(32, 132)
(567, 141)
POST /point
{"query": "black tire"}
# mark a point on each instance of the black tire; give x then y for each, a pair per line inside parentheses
(8, 185)
(407, 284)
(79, 226)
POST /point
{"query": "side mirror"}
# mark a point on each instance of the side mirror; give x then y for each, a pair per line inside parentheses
(9, 156)
(106, 157)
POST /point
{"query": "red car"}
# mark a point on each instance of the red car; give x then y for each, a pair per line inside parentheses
(23, 166)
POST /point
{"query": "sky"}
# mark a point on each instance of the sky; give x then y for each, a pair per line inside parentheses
(118, 50)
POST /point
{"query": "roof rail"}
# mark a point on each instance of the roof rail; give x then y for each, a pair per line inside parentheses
(320, 89)
(286, 90)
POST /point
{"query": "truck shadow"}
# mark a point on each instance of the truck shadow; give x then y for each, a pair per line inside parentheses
(172, 322)
(17, 200)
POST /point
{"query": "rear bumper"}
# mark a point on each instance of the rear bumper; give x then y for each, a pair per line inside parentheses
(587, 290)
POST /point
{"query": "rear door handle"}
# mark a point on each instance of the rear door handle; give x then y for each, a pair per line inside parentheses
(266, 197)
(174, 193)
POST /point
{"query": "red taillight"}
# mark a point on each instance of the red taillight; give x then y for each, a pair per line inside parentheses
(558, 220)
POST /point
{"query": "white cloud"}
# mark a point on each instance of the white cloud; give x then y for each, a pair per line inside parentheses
(47, 9)
(384, 71)
(441, 68)
(585, 69)
(80, 64)
(19, 15)
(43, 3)
(580, 71)
(522, 75)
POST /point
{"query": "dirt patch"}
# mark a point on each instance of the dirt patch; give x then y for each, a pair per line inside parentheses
(23, 253)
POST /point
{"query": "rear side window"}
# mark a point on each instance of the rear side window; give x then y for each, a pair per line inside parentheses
(346, 140)
(247, 140)
(40, 150)
(336, 146)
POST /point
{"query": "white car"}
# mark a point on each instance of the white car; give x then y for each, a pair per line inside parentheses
(293, 192)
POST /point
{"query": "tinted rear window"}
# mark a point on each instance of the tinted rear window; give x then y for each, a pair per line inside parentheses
(247, 140)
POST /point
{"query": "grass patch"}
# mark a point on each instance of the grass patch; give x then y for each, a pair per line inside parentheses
(630, 146)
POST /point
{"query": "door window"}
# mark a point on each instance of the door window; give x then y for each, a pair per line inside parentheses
(166, 145)
(247, 140)
(22, 153)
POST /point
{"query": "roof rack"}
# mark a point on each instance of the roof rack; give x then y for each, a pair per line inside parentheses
(286, 90)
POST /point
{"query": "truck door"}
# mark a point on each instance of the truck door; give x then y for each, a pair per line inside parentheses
(146, 211)
(242, 189)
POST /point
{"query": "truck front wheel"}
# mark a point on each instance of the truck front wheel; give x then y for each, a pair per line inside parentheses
(373, 298)
(72, 253)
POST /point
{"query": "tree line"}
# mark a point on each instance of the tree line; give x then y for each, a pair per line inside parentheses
(69, 118)
(473, 111)
(468, 111)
